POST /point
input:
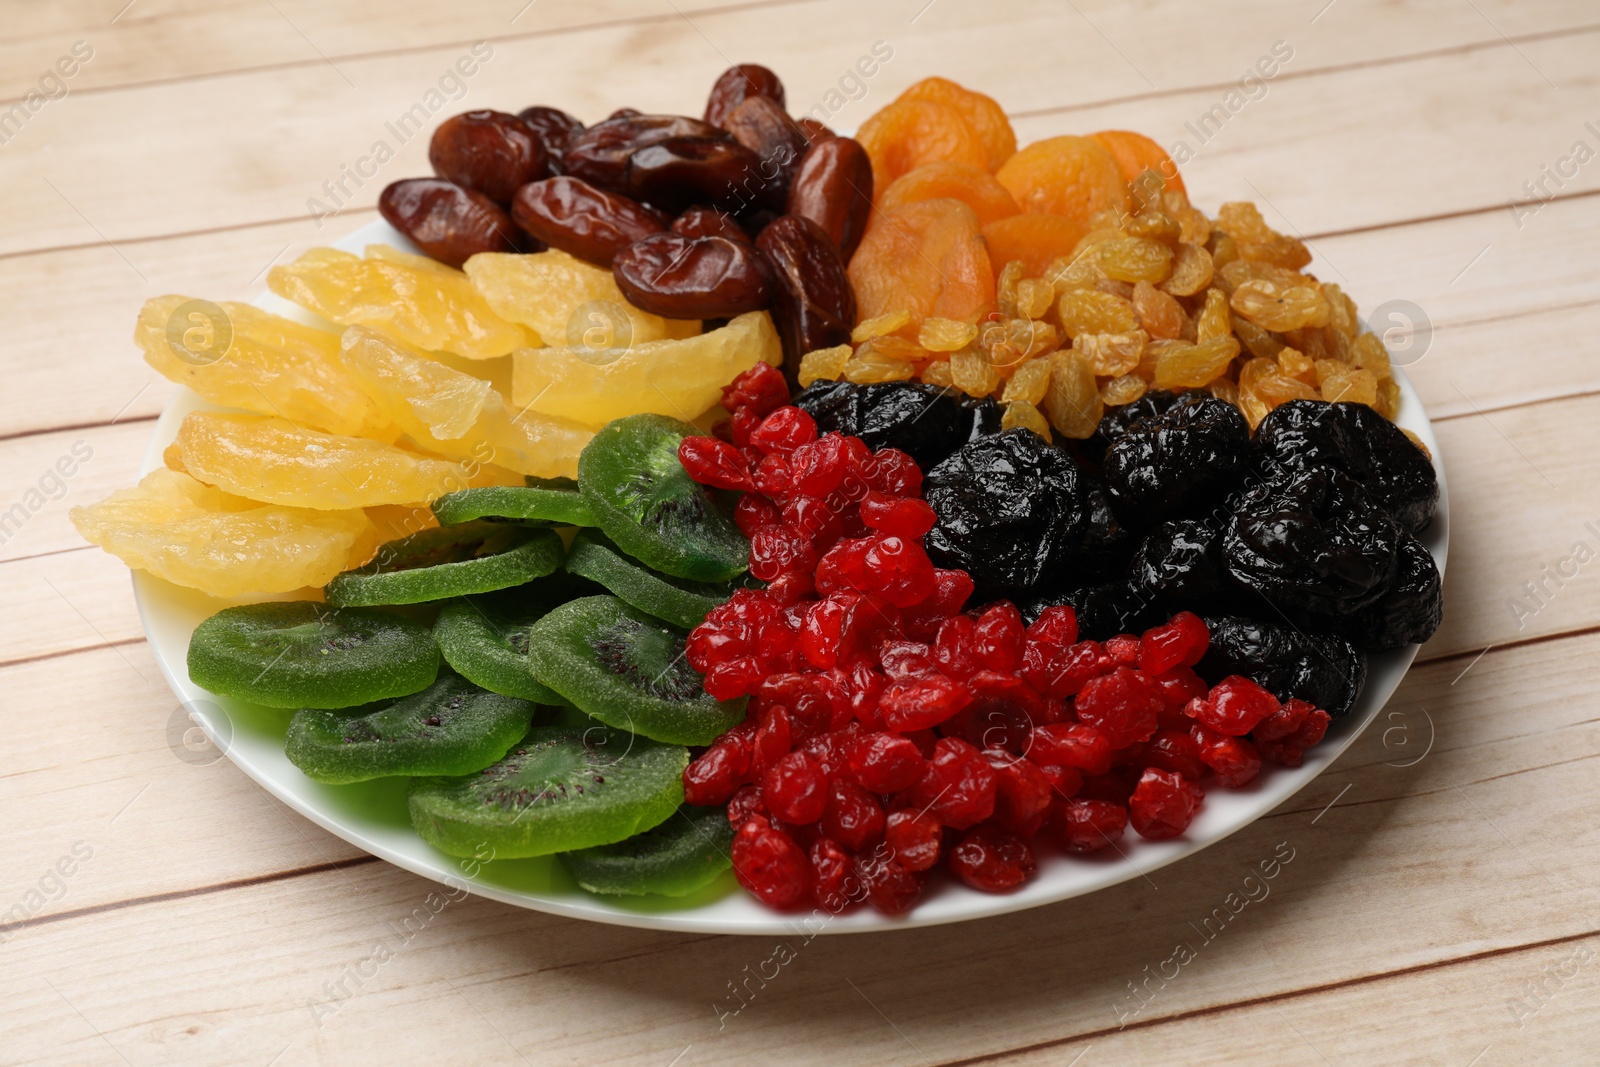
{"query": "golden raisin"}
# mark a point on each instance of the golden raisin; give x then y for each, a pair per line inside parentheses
(938, 373)
(945, 335)
(1273, 307)
(891, 347)
(1019, 413)
(1258, 341)
(1091, 311)
(971, 373)
(880, 326)
(1159, 314)
(1357, 385)
(1073, 401)
(1277, 389)
(823, 364)
(1035, 296)
(1134, 259)
(1111, 354)
(1296, 364)
(867, 367)
(1388, 404)
(1029, 382)
(1368, 353)
(1191, 271)
(1213, 321)
(1123, 390)
(1192, 366)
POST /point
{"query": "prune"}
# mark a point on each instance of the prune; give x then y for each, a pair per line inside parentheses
(1011, 509)
(815, 305)
(680, 171)
(1322, 669)
(1409, 612)
(737, 84)
(554, 128)
(924, 421)
(702, 221)
(1310, 541)
(681, 277)
(1192, 453)
(1116, 421)
(572, 215)
(1107, 544)
(832, 187)
(446, 221)
(762, 126)
(1357, 440)
(1179, 562)
(599, 154)
(490, 151)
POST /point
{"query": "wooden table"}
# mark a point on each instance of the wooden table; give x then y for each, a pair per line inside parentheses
(1440, 906)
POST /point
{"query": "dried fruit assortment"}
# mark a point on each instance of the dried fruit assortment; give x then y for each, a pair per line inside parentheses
(1043, 503)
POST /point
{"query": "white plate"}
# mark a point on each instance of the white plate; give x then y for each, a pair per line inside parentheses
(373, 816)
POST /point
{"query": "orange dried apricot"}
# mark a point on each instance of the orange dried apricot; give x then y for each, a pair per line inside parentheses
(1135, 153)
(910, 133)
(1037, 239)
(986, 117)
(1069, 176)
(952, 181)
(928, 258)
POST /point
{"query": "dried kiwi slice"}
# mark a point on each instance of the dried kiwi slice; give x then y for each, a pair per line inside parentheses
(677, 600)
(302, 654)
(527, 505)
(628, 670)
(485, 637)
(451, 727)
(560, 788)
(673, 859)
(475, 557)
(642, 498)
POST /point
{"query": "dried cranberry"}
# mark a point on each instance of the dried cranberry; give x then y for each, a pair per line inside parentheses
(913, 839)
(894, 472)
(923, 703)
(745, 802)
(1180, 642)
(1234, 706)
(958, 786)
(760, 389)
(832, 875)
(733, 678)
(1123, 650)
(885, 763)
(713, 777)
(1163, 804)
(1082, 825)
(770, 865)
(784, 430)
(780, 549)
(1022, 792)
(714, 463)
(772, 741)
(1234, 760)
(1175, 750)
(1055, 626)
(992, 859)
(1062, 672)
(754, 511)
(1071, 744)
(795, 789)
(999, 638)
(900, 516)
(1123, 705)
(852, 817)
(890, 888)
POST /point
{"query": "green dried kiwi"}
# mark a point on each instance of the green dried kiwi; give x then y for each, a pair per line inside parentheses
(451, 727)
(673, 859)
(677, 600)
(643, 499)
(302, 654)
(627, 669)
(526, 505)
(485, 637)
(559, 789)
(475, 557)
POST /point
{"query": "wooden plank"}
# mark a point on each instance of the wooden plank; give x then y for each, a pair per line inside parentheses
(233, 174)
(44, 475)
(1367, 874)
(74, 599)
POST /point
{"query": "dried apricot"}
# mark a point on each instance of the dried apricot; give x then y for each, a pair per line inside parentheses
(1135, 153)
(973, 186)
(910, 133)
(928, 258)
(985, 116)
(1036, 239)
(1069, 176)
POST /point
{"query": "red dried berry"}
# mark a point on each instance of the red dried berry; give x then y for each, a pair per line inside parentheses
(1234, 760)
(1064, 781)
(1234, 706)
(1022, 792)
(720, 770)
(901, 516)
(1123, 650)
(1056, 626)
(886, 763)
(1062, 672)
(1071, 744)
(890, 888)
(780, 549)
(759, 390)
(714, 463)
(992, 859)
(832, 876)
(1179, 686)
(998, 638)
(795, 789)
(893, 472)
(784, 430)
(1180, 642)
(1123, 705)
(1163, 804)
(753, 511)
(770, 865)
(958, 786)
(1174, 750)
(733, 678)
(894, 568)
(913, 839)
(773, 477)
(772, 741)
(922, 704)
(814, 518)
(905, 660)
(745, 802)
(953, 647)
(1082, 825)
(852, 817)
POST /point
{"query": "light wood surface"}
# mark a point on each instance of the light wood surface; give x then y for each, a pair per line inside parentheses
(1441, 905)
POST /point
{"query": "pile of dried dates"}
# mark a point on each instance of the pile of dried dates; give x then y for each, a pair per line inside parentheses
(741, 210)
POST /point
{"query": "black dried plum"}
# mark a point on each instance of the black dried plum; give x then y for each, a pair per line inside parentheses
(1011, 510)
(1107, 544)
(925, 421)
(1179, 562)
(1327, 671)
(1357, 440)
(1187, 456)
(1409, 612)
(1115, 422)
(1310, 541)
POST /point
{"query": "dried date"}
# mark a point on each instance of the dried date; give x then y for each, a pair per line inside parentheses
(832, 187)
(592, 224)
(599, 154)
(681, 277)
(681, 171)
(762, 126)
(814, 305)
(702, 221)
(447, 222)
(736, 85)
(554, 128)
(490, 151)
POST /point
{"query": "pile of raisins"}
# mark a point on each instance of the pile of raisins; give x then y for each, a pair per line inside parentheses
(741, 210)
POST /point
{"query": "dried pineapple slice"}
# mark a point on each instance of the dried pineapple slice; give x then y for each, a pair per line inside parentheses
(566, 301)
(273, 460)
(454, 414)
(267, 364)
(681, 378)
(201, 537)
(431, 307)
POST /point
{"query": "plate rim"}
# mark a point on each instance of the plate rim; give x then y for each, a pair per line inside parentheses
(1093, 874)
